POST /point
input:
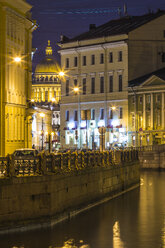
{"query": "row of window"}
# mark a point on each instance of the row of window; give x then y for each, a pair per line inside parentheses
(92, 114)
(93, 59)
(93, 88)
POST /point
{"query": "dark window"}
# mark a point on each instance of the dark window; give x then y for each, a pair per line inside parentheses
(120, 83)
(140, 99)
(92, 85)
(120, 56)
(101, 84)
(133, 99)
(110, 57)
(84, 86)
(93, 114)
(121, 113)
(164, 33)
(84, 60)
(111, 83)
(75, 61)
(67, 63)
(92, 59)
(75, 82)
(111, 113)
(102, 58)
(101, 114)
(46, 95)
(158, 98)
(67, 115)
(67, 87)
(75, 115)
(163, 57)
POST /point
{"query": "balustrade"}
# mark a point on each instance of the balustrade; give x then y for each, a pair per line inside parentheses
(63, 162)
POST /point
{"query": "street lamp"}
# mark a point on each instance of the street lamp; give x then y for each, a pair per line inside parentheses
(77, 92)
(42, 115)
(17, 59)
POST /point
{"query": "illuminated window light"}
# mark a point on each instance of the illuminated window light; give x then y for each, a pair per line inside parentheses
(101, 123)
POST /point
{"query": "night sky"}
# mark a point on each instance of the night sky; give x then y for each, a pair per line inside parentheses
(72, 17)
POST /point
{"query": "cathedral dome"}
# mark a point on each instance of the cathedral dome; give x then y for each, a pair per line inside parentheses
(48, 64)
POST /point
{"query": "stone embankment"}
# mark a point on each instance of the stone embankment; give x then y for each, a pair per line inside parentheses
(51, 189)
(152, 157)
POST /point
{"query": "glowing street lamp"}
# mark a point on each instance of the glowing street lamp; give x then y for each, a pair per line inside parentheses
(61, 73)
(42, 115)
(17, 59)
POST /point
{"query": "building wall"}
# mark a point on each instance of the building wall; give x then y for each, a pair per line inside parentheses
(53, 198)
(146, 44)
(97, 100)
(15, 82)
(147, 116)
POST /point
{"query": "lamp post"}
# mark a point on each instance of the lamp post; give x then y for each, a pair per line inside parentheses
(42, 115)
(77, 92)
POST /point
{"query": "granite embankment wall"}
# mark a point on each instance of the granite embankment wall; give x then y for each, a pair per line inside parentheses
(153, 158)
(34, 201)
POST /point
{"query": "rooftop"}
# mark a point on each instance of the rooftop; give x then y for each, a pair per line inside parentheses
(115, 27)
(138, 81)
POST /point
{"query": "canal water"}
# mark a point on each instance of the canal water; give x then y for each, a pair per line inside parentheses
(133, 220)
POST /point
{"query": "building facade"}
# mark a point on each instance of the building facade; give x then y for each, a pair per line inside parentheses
(16, 29)
(146, 103)
(99, 63)
(46, 96)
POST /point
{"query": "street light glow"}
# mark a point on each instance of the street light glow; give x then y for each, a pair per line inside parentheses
(76, 89)
(61, 73)
(42, 115)
(17, 59)
(53, 99)
(113, 108)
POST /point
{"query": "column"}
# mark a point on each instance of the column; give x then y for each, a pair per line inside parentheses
(162, 110)
(151, 110)
(144, 111)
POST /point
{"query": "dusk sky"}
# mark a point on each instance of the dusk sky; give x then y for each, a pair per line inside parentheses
(72, 17)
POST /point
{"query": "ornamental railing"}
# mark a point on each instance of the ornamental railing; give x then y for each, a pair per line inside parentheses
(63, 162)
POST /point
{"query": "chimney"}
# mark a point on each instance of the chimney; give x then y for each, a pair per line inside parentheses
(92, 26)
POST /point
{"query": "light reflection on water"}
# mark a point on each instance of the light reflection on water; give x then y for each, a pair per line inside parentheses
(134, 220)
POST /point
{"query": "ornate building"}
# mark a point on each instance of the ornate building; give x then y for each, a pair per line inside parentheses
(16, 29)
(100, 63)
(46, 95)
(147, 109)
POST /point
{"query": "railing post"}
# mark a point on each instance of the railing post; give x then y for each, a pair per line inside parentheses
(43, 168)
(11, 167)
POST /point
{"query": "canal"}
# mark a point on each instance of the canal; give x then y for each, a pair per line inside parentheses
(134, 220)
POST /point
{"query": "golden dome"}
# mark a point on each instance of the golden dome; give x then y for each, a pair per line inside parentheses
(48, 64)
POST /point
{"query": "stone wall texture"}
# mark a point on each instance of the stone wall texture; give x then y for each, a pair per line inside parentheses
(32, 201)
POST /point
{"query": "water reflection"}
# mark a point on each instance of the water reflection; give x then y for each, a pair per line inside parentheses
(136, 219)
(117, 242)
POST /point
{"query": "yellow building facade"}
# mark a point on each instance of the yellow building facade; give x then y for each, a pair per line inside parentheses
(46, 96)
(46, 86)
(16, 29)
(100, 63)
